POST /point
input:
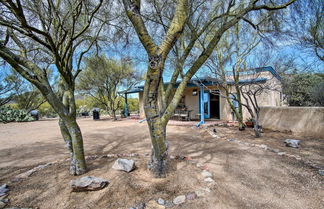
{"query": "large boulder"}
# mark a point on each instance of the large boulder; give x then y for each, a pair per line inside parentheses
(88, 183)
(124, 165)
(292, 143)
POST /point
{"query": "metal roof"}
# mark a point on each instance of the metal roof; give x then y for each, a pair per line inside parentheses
(208, 81)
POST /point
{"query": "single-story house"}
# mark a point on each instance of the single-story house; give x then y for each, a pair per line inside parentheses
(212, 101)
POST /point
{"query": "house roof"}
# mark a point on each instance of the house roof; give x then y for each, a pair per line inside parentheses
(208, 81)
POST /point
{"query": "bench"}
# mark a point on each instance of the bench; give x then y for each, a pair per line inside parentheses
(182, 114)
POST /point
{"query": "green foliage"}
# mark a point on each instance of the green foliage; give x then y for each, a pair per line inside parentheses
(103, 78)
(133, 105)
(46, 110)
(301, 89)
(8, 114)
(318, 94)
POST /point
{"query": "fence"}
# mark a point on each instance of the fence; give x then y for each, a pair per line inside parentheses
(303, 121)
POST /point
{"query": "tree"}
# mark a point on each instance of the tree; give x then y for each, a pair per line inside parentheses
(317, 94)
(306, 27)
(299, 89)
(7, 86)
(103, 78)
(251, 92)
(160, 101)
(232, 52)
(43, 35)
(26, 96)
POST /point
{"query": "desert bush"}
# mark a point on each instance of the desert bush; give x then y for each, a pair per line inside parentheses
(8, 114)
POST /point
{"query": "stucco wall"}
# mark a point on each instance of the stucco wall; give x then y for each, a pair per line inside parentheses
(304, 121)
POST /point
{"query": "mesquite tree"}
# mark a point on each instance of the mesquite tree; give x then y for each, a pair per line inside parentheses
(233, 49)
(103, 78)
(160, 101)
(52, 34)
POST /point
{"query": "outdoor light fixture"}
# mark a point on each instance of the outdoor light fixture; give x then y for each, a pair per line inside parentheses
(195, 92)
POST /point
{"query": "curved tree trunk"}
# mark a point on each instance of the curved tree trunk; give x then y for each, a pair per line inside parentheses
(78, 163)
(73, 139)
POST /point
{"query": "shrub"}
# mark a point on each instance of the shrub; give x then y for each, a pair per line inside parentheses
(8, 114)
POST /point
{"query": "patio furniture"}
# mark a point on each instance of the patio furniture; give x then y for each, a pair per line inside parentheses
(182, 114)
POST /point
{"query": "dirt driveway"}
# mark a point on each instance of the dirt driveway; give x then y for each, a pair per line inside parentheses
(246, 177)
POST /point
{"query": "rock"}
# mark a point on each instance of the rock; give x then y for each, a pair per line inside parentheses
(3, 189)
(191, 196)
(205, 173)
(140, 206)
(2, 204)
(124, 165)
(179, 200)
(210, 180)
(88, 183)
(275, 150)
(3, 197)
(202, 192)
(153, 205)
(321, 172)
(31, 171)
(161, 201)
(231, 140)
(281, 153)
(263, 146)
(169, 204)
(292, 143)
(5, 201)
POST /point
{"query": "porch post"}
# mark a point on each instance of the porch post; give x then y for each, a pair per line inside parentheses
(202, 114)
(126, 106)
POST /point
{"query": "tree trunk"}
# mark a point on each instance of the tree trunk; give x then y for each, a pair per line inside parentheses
(158, 162)
(241, 124)
(256, 128)
(114, 115)
(73, 139)
(78, 163)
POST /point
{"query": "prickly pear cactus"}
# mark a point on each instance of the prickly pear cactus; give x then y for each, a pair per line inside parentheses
(7, 114)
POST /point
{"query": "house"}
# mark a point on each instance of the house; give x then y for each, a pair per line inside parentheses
(213, 102)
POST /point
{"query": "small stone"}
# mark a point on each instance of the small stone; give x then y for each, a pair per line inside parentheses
(169, 204)
(3, 189)
(281, 153)
(161, 201)
(191, 196)
(321, 172)
(231, 140)
(2, 204)
(3, 196)
(263, 146)
(205, 173)
(209, 180)
(179, 200)
(153, 205)
(292, 143)
(200, 193)
(88, 183)
(124, 165)
(92, 157)
(5, 201)
(275, 150)
(140, 205)
(31, 171)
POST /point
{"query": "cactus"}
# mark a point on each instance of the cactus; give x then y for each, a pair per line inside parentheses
(7, 114)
